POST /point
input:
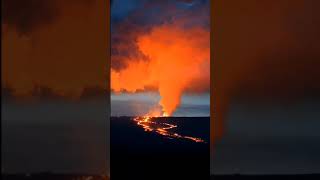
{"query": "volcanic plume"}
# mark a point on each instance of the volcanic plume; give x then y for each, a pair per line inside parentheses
(58, 45)
(174, 59)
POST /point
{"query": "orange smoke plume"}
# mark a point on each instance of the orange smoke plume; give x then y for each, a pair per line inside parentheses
(177, 57)
(65, 54)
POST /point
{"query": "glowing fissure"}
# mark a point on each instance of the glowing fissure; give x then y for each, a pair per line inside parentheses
(149, 124)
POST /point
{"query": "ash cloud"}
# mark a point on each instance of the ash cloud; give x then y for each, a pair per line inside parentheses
(129, 23)
(164, 45)
(55, 44)
(25, 16)
(275, 52)
(264, 51)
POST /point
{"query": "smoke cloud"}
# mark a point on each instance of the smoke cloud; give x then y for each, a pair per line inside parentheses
(168, 53)
(54, 44)
(264, 55)
(177, 57)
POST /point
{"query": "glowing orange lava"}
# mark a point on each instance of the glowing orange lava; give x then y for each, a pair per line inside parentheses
(149, 124)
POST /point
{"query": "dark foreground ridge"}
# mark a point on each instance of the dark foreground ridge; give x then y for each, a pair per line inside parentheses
(138, 154)
(53, 176)
(265, 177)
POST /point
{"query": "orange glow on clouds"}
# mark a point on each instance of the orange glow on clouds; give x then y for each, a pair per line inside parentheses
(178, 61)
(66, 55)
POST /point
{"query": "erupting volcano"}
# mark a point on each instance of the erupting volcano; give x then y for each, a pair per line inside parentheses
(160, 85)
(170, 59)
(175, 61)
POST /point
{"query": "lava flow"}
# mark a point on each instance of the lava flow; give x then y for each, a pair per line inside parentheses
(149, 125)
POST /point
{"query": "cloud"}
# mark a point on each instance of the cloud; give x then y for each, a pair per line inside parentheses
(25, 16)
(169, 52)
(264, 51)
(61, 45)
(267, 54)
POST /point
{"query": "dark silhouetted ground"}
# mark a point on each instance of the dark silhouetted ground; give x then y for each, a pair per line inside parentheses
(136, 154)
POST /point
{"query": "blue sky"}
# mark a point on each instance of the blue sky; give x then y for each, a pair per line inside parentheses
(142, 103)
